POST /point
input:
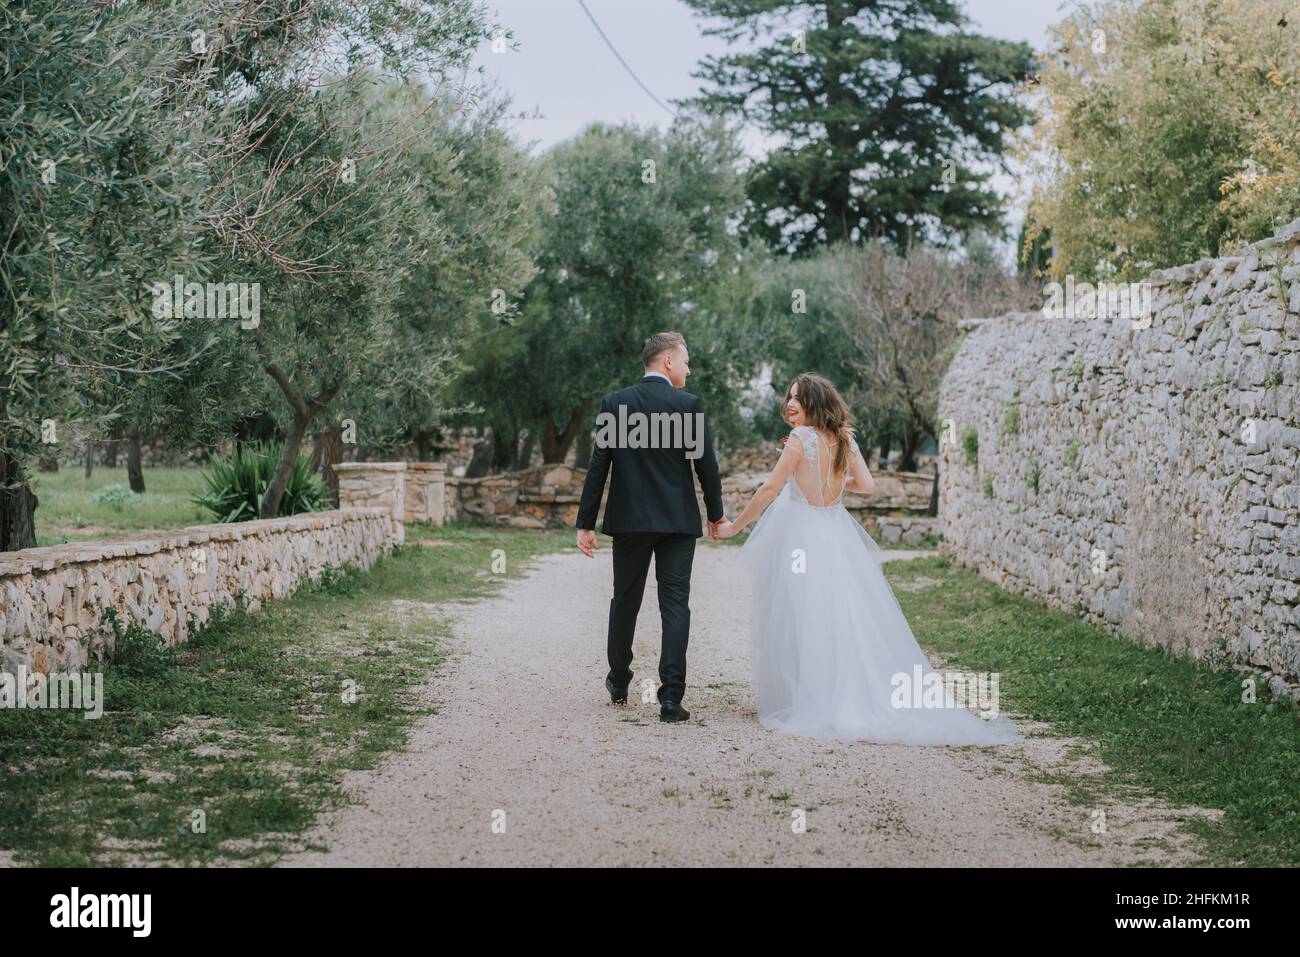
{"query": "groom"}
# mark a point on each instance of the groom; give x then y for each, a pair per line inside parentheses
(652, 509)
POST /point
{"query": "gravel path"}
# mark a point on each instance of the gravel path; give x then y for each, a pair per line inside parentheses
(527, 762)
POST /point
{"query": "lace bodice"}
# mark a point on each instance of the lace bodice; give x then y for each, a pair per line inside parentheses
(812, 480)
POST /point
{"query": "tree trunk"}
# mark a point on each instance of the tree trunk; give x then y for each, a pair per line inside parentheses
(48, 463)
(934, 496)
(110, 453)
(505, 448)
(555, 444)
(911, 442)
(317, 452)
(424, 446)
(525, 459)
(582, 450)
(280, 477)
(885, 439)
(480, 460)
(17, 507)
(90, 456)
(330, 442)
(304, 411)
(134, 471)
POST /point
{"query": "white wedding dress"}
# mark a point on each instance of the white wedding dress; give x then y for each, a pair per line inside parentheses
(832, 654)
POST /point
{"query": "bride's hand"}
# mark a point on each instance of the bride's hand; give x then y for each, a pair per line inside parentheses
(726, 530)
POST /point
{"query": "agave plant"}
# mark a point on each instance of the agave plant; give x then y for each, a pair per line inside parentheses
(235, 485)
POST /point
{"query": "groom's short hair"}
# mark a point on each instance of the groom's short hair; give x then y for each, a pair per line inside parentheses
(660, 343)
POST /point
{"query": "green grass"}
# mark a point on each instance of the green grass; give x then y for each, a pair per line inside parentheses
(247, 723)
(67, 510)
(1165, 725)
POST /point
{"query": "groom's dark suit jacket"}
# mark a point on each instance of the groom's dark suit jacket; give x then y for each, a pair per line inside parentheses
(652, 490)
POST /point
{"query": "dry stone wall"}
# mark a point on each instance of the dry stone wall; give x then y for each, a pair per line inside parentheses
(548, 496)
(1143, 472)
(53, 600)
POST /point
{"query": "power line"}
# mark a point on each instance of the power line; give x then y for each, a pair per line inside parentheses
(630, 72)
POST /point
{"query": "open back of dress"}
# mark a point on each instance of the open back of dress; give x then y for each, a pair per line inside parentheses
(814, 478)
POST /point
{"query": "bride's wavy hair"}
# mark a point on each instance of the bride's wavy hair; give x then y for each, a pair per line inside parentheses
(826, 411)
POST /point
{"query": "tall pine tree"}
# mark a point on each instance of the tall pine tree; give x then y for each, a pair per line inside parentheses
(889, 115)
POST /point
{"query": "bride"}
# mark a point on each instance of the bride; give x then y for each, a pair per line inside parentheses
(832, 653)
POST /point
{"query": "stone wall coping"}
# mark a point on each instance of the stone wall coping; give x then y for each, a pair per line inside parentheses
(1162, 277)
(500, 478)
(76, 553)
(370, 467)
(514, 476)
(1005, 317)
(426, 466)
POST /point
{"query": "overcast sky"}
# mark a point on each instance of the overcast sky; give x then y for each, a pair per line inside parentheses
(562, 69)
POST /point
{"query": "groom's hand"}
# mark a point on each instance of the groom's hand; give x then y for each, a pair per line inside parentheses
(713, 528)
(587, 541)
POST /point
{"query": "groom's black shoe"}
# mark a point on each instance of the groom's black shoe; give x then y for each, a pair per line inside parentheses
(617, 695)
(672, 711)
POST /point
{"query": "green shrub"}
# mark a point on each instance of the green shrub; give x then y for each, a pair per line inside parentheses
(1011, 420)
(1032, 475)
(137, 651)
(235, 485)
(1281, 288)
(930, 540)
(1075, 368)
(115, 496)
(333, 580)
(970, 443)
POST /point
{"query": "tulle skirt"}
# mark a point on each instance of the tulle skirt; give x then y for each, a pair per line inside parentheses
(832, 654)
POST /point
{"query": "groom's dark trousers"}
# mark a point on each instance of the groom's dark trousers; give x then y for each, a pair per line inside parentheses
(651, 510)
(673, 555)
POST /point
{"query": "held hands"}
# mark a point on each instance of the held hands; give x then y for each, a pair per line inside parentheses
(716, 532)
(587, 541)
